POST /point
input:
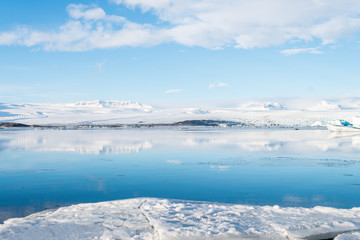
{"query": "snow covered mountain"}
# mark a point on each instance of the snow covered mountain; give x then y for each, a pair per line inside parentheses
(71, 113)
(252, 113)
(114, 104)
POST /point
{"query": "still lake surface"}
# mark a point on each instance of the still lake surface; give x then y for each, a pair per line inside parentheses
(45, 169)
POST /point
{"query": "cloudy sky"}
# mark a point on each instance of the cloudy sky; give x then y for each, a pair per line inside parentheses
(178, 50)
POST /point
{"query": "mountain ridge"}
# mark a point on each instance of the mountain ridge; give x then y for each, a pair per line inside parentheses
(115, 113)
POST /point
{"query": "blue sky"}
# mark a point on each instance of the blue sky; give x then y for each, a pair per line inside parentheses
(178, 51)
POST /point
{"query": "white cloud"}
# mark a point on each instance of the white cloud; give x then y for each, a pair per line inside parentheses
(254, 23)
(215, 85)
(145, 4)
(172, 91)
(293, 51)
(7, 38)
(88, 28)
(206, 23)
(77, 11)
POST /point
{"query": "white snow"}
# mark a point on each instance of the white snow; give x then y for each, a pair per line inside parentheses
(115, 104)
(252, 113)
(325, 106)
(348, 236)
(151, 218)
(318, 124)
(273, 106)
(73, 113)
(356, 121)
(196, 111)
(340, 122)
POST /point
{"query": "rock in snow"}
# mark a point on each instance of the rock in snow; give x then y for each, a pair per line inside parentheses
(151, 218)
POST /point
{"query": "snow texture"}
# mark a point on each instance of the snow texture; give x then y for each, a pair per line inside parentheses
(348, 236)
(250, 113)
(325, 106)
(151, 218)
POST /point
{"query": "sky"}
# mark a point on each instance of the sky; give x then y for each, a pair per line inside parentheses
(167, 51)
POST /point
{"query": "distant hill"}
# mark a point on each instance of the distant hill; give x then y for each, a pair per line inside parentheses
(246, 113)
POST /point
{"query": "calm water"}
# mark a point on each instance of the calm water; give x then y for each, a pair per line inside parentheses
(42, 169)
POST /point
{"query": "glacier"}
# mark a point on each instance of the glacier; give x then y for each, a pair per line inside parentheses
(254, 113)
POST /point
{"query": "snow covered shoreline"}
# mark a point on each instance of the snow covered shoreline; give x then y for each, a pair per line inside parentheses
(248, 114)
(152, 218)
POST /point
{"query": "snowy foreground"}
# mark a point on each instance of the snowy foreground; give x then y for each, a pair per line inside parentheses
(151, 218)
(248, 113)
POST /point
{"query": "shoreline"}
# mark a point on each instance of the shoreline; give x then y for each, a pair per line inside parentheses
(154, 218)
(213, 124)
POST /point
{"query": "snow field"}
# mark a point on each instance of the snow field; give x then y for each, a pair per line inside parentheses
(151, 218)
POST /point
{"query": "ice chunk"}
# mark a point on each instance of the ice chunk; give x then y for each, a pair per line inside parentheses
(356, 121)
(341, 122)
(349, 236)
(151, 218)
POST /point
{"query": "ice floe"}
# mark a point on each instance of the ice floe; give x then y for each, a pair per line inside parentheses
(341, 125)
(151, 218)
(348, 236)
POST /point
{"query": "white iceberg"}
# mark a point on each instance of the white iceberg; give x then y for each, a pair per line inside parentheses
(348, 236)
(356, 121)
(151, 218)
(344, 126)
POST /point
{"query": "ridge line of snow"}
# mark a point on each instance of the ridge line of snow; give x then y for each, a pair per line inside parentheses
(259, 114)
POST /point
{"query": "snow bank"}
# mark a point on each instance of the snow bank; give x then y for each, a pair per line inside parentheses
(150, 218)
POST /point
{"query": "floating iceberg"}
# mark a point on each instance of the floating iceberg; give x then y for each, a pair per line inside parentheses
(344, 126)
(152, 218)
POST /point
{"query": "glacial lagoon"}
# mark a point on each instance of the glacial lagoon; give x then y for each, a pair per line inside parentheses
(46, 169)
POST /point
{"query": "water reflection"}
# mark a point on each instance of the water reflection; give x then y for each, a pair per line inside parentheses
(80, 141)
(130, 141)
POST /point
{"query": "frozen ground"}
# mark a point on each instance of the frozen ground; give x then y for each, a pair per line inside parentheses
(253, 113)
(151, 218)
